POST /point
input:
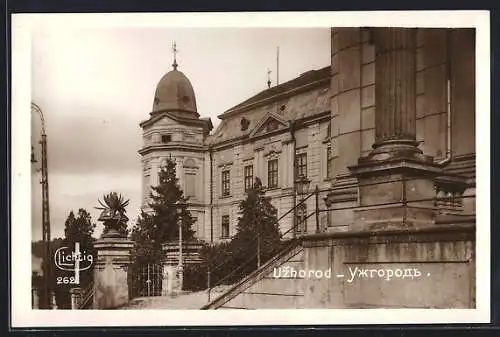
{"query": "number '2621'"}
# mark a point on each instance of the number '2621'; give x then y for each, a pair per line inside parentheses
(66, 280)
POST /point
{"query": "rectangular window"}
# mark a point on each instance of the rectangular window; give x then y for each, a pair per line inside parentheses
(224, 234)
(225, 183)
(329, 162)
(166, 138)
(272, 173)
(248, 177)
(190, 184)
(301, 165)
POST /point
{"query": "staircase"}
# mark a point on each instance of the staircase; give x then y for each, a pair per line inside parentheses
(266, 288)
(263, 289)
(87, 299)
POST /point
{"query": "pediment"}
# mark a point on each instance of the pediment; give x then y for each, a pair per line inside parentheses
(270, 123)
(166, 120)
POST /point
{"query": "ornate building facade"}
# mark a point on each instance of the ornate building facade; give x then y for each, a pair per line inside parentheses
(324, 121)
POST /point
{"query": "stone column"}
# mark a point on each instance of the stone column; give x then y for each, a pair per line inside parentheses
(35, 298)
(169, 278)
(395, 132)
(155, 169)
(396, 187)
(110, 272)
(258, 173)
(53, 302)
(76, 296)
(179, 167)
(285, 159)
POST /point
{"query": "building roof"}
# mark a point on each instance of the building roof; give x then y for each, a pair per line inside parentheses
(174, 92)
(306, 78)
(303, 97)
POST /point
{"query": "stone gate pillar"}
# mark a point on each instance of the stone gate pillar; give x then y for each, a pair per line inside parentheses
(110, 272)
(76, 297)
(396, 180)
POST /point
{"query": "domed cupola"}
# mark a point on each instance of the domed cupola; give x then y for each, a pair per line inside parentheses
(175, 93)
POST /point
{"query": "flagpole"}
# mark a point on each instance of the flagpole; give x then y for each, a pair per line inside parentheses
(277, 65)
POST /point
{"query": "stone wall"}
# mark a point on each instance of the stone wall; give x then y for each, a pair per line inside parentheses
(443, 257)
(273, 288)
(429, 268)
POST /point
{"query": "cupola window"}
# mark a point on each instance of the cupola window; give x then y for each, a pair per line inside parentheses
(166, 138)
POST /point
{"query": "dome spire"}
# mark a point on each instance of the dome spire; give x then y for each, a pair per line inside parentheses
(175, 51)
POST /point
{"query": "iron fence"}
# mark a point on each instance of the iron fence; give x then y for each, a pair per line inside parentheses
(145, 280)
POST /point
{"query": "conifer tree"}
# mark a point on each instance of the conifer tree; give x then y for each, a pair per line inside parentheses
(257, 235)
(147, 248)
(167, 198)
(79, 229)
(160, 226)
(257, 231)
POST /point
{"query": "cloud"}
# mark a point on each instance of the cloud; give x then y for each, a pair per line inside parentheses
(73, 191)
(83, 144)
(96, 85)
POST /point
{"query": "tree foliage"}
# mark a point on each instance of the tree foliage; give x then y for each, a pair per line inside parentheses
(257, 222)
(168, 205)
(77, 229)
(257, 233)
(147, 248)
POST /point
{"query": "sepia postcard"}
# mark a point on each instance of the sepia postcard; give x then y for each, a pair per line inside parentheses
(293, 168)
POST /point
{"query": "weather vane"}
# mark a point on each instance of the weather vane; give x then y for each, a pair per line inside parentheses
(175, 51)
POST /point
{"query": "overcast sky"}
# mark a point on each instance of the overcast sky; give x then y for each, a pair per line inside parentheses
(95, 85)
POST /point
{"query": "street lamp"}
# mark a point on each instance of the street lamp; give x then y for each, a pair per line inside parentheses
(180, 205)
(46, 295)
(302, 184)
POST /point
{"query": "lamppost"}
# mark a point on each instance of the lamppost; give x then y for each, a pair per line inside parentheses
(46, 294)
(179, 208)
(302, 184)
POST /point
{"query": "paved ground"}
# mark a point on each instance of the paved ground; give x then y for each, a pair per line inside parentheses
(193, 300)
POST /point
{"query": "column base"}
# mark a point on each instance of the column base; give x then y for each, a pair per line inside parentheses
(392, 217)
(76, 296)
(171, 284)
(396, 149)
(395, 193)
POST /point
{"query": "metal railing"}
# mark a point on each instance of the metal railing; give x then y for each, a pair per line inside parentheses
(87, 295)
(287, 243)
(290, 243)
